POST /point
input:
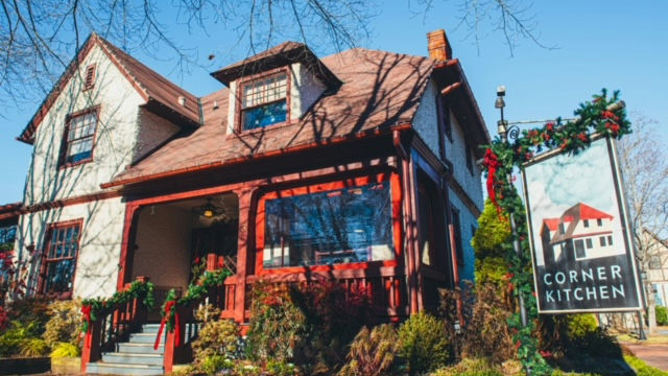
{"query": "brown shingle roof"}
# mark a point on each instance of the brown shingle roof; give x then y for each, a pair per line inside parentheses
(380, 89)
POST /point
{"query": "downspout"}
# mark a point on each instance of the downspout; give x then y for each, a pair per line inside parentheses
(409, 225)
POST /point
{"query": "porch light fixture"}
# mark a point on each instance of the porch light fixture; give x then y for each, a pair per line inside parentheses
(208, 210)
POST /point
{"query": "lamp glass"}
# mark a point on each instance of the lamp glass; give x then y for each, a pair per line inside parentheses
(208, 213)
(499, 103)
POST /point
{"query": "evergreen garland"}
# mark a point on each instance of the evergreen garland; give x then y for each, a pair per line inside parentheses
(598, 116)
(101, 306)
(195, 293)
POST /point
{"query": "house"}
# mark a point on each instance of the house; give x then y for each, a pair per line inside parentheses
(657, 267)
(581, 233)
(358, 167)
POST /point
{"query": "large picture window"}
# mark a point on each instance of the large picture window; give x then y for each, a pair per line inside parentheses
(329, 227)
(264, 102)
(59, 258)
(78, 146)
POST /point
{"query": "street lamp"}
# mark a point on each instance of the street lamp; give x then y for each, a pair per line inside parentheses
(503, 130)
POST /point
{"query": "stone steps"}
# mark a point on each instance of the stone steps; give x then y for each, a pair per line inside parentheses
(136, 357)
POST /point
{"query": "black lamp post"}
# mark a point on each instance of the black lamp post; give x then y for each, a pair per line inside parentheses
(513, 132)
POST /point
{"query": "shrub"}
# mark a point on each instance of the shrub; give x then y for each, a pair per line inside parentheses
(32, 313)
(214, 363)
(65, 350)
(64, 324)
(485, 331)
(424, 346)
(217, 338)
(34, 347)
(278, 368)
(373, 353)
(12, 339)
(493, 230)
(581, 326)
(661, 316)
(470, 367)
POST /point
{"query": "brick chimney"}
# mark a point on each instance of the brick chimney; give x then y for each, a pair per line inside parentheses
(439, 47)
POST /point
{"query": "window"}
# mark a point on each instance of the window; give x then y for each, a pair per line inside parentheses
(335, 226)
(89, 79)
(602, 241)
(589, 243)
(655, 262)
(562, 228)
(79, 138)
(586, 223)
(59, 257)
(7, 234)
(469, 159)
(430, 220)
(610, 240)
(599, 222)
(264, 102)
(444, 128)
(456, 224)
(579, 249)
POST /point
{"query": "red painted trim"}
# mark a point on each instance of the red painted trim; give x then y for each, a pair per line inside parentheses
(586, 235)
(323, 187)
(129, 225)
(302, 147)
(46, 245)
(142, 92)
(71, 201)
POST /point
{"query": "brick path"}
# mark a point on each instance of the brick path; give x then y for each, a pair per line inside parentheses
(654, 355)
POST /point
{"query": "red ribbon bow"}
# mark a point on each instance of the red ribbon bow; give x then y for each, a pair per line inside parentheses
(492, 163)
(177, 324)
(86, 311)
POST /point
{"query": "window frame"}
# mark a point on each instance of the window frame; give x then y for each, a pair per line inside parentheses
(239, 127)
(44, 267)
(456, 221)
(65, 142)
(391, 178)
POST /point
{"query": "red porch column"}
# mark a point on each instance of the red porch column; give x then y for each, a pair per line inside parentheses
(127, 245)
(244, 248)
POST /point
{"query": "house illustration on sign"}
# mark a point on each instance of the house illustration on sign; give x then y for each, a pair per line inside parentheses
(581, 233)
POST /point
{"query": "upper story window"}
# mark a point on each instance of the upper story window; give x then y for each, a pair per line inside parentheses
(79, 138)
(7, 234)
(264, 101)
(89, 79)
(59, 257)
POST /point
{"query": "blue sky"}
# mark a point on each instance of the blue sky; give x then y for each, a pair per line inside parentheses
(613, 44)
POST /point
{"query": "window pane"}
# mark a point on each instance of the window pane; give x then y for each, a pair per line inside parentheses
(80, 150)
(579, 249)
(264, 91)
(339, 226)
(59, 276)
(266, 115)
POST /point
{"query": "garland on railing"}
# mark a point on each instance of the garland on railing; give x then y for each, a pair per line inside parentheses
(195, 293)
(93, 308)
(603, 116)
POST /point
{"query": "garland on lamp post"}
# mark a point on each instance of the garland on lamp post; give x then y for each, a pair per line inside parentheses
(602, 115)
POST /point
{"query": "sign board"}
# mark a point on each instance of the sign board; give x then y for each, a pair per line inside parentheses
(579, 232)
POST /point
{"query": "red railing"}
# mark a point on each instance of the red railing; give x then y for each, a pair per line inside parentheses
(112, 324)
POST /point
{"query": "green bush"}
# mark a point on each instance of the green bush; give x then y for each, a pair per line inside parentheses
(469, 367)
(214, 363)
(31, 313)
(65, 350)
(661, 316)
(493, 230)
(642, 369)
(278, 368)
(424, 346)
(34, 347)
(217, 338)
(12, 339)
(64, 324)
(581, 326)
(373, 352)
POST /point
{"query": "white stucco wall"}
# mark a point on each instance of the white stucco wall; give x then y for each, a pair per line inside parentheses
(163, 241)
(153, 131)
(99, 247)
(114, 139)
(455, 151)
(467, 220)
(305, 89)
(425, 121)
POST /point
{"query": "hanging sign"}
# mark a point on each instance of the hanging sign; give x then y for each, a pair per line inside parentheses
(579, 232)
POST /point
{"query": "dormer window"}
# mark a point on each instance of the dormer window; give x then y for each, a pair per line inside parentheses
(79, 138)
(264, 101)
